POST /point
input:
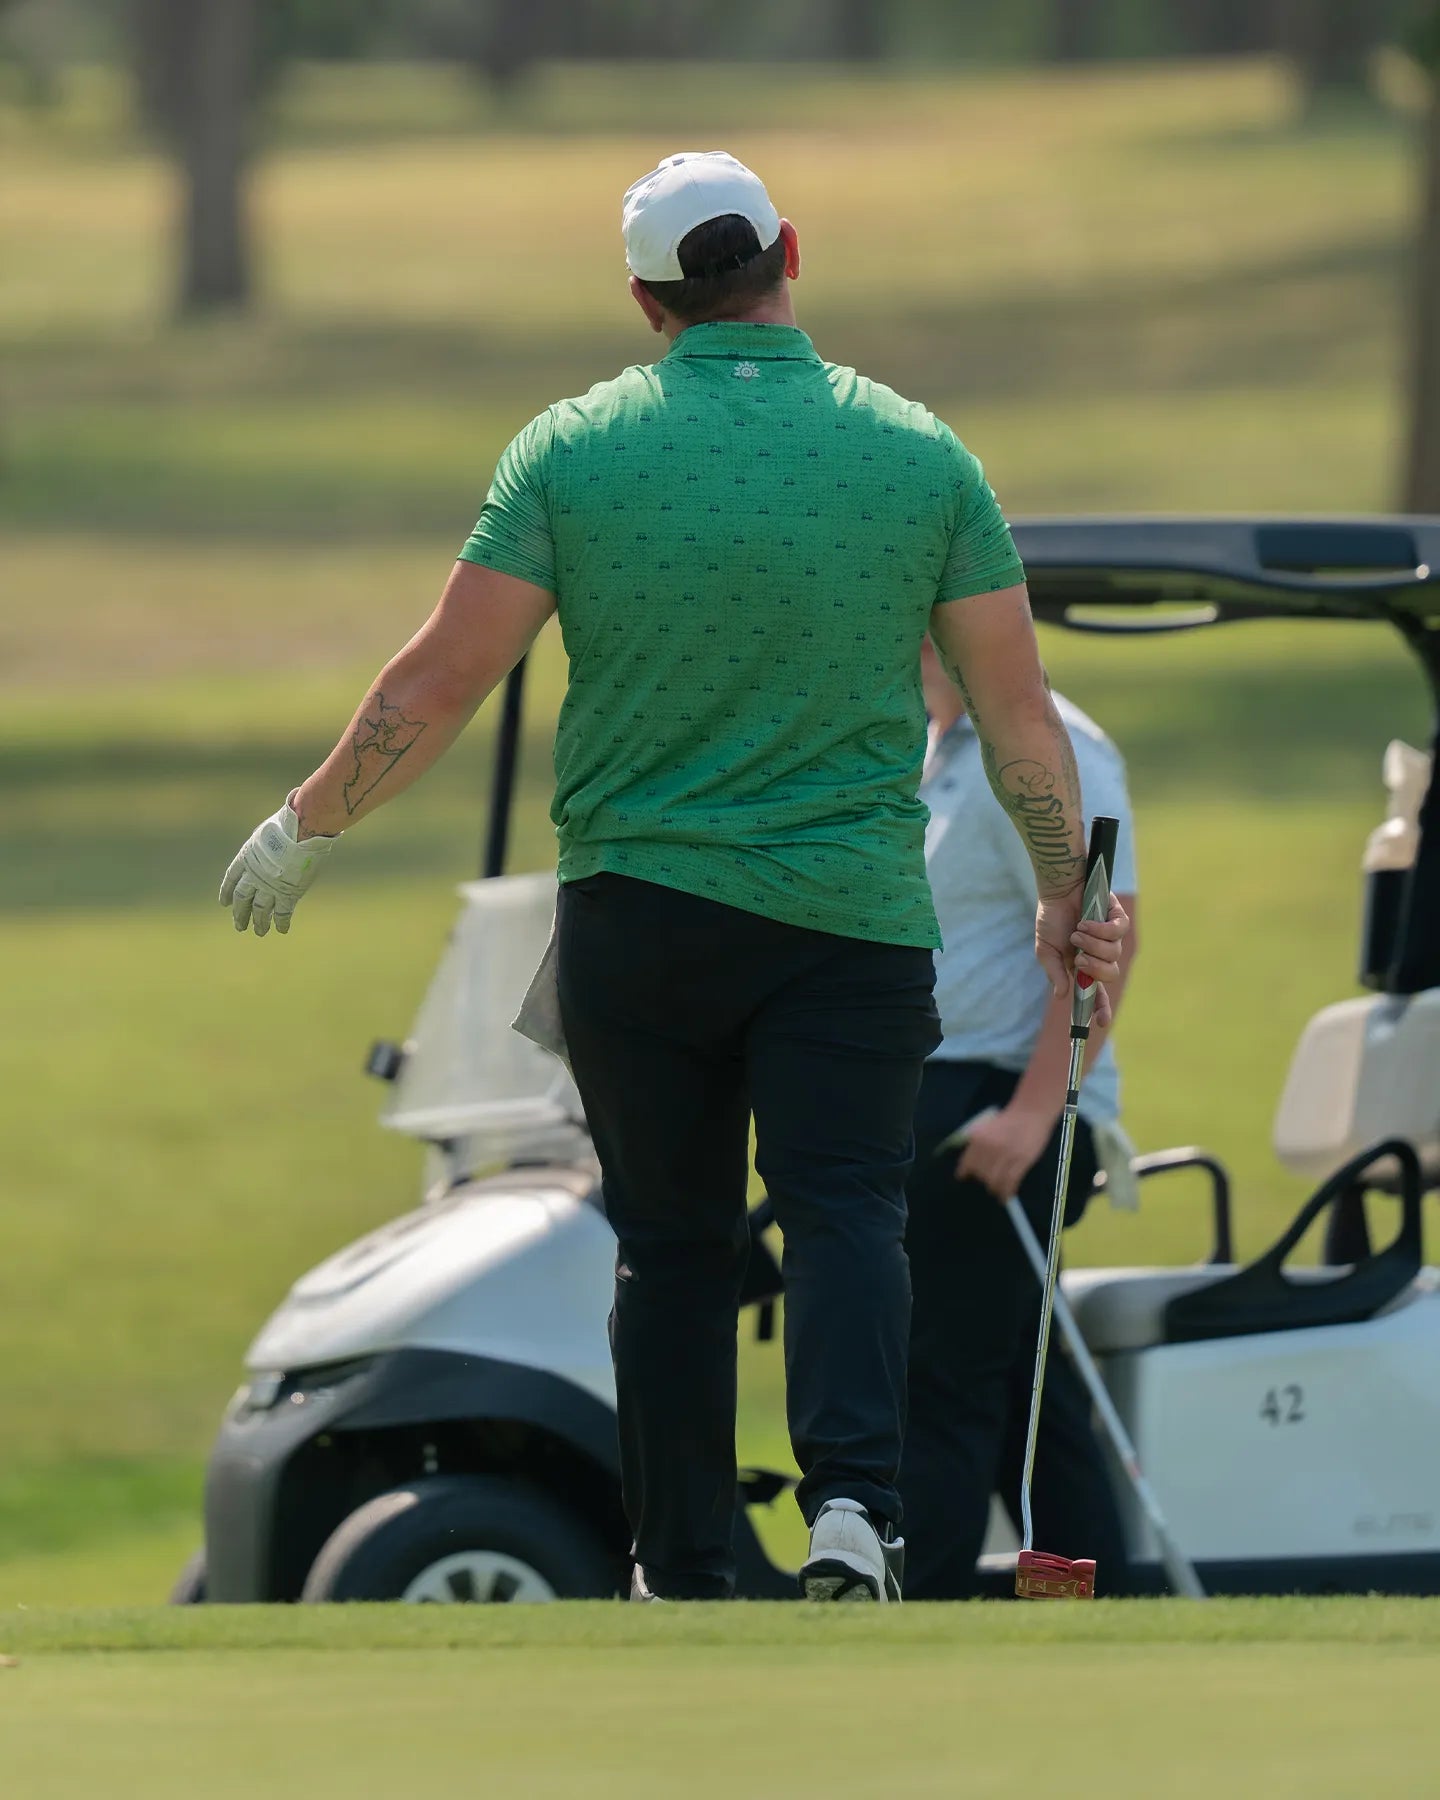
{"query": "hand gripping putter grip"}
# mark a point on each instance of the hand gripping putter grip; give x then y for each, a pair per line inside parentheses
(1039, 1575)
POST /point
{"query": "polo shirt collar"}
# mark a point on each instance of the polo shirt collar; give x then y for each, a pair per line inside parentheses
(732, 338)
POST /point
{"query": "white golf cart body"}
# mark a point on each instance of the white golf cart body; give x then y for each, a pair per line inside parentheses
(518, 1270)
(1289, 1423)
(1309, 1444)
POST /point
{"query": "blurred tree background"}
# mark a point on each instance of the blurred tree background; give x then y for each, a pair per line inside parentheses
(204, 69)
(280, 279)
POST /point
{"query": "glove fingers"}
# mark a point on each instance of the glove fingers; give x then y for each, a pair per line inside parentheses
(242, 897)
(232, 875)
(272, 871)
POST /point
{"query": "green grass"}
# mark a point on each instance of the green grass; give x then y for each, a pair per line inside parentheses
(1373, 1623)
(1284, 1698)
(1141, 289)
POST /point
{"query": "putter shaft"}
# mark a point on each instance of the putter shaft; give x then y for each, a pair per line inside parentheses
(1095, 906)
(1052, 1267)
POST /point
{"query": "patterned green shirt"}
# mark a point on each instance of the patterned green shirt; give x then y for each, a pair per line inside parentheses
(745, 543)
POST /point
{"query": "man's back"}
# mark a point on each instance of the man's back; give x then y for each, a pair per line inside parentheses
(745, 544)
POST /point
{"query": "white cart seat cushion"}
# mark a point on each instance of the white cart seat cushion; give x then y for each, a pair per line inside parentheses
(1124, 1309)
(1363, 1070)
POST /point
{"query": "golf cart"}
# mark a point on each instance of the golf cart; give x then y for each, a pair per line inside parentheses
(429, 1415)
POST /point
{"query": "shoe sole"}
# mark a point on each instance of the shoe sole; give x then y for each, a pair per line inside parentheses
(834, 1578)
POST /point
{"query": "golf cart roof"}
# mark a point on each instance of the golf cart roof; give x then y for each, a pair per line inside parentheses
(1147, 575)
(1133, 575)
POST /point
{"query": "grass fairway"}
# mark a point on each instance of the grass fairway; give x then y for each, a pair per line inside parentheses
(1281, 1698)
(1144, 288)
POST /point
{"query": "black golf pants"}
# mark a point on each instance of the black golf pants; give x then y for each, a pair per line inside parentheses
(972, 1349)
(684, 1017)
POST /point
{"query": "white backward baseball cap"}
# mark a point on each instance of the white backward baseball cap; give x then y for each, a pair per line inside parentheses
(687, 190)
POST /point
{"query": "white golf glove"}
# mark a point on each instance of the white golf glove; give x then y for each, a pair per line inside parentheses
(272, 871)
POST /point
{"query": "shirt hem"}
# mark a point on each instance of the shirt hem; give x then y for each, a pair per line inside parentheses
(486, 556)
(577, 864)
(1013, 577)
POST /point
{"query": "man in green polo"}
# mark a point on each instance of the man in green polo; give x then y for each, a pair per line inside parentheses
(745, 546)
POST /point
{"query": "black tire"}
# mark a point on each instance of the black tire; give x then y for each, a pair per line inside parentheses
(189, 1588)
(518, 1539)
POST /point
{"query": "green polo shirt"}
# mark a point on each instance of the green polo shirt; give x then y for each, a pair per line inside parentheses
(745, 543)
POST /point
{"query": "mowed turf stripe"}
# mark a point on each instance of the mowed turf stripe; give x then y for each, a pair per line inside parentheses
(606, 1625)
(889, 1718)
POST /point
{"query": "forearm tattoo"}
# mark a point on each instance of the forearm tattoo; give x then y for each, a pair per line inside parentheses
(1040, 797)
(382, 736)
(1029, 792)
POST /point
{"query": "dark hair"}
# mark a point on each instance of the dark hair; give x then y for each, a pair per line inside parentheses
(726, 271)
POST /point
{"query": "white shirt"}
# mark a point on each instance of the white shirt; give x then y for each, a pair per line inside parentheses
(991, 992)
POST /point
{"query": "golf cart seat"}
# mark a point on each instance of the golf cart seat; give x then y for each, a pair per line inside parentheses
(1136, 1309)
(1363, 1070)
(1124, 1309)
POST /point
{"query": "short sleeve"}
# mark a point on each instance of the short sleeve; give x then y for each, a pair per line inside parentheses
(513, 533)
(982, 557)
(1105, 794)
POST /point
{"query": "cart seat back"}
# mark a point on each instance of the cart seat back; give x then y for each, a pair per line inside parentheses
(466, 1078)
(1124, 1309)
(1363, 1070)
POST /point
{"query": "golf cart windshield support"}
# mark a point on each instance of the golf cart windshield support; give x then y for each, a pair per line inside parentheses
(502, 781)
(1134, 576)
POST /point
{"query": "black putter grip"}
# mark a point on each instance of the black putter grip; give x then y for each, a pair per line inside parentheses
(1104, 838)
(1099, 873)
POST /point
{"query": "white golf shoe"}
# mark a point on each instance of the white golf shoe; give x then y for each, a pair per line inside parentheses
(848, 1559)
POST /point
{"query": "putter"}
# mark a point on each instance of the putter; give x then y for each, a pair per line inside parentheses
(1039, 1575)
(1177, 1564)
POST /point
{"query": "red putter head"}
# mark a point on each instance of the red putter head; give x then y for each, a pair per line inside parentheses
(1041, 1576)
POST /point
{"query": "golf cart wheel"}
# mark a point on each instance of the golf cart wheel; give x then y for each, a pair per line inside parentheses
(462, 1538)
(189, 1588)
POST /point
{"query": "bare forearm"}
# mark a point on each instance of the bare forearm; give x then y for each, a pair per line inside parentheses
(405, 724)
(423, 698)
(987, 648)
(1032, 772)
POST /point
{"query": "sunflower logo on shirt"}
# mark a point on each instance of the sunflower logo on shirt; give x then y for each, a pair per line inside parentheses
(745, 371)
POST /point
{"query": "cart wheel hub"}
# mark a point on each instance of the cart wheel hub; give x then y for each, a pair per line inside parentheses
(487, 1577)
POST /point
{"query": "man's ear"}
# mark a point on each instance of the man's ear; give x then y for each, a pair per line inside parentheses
(654, 312)
(791, 242)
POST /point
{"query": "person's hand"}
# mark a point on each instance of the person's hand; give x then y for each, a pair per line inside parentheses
(1003, 1147)
(1064, 943)
(273, 869)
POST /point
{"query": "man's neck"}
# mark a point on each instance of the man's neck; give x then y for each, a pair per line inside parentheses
(779, 311)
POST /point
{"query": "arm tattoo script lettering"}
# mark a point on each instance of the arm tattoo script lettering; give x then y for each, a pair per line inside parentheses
(382, 736)
(1029, 793)
(1035, 795)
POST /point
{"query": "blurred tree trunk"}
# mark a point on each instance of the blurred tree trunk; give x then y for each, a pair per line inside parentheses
(1330, 41)
(1422, 478)
(1222, 27)
(195, 64)
(516, 39)
(1072, 30)
(858, 28)
(215, 144)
